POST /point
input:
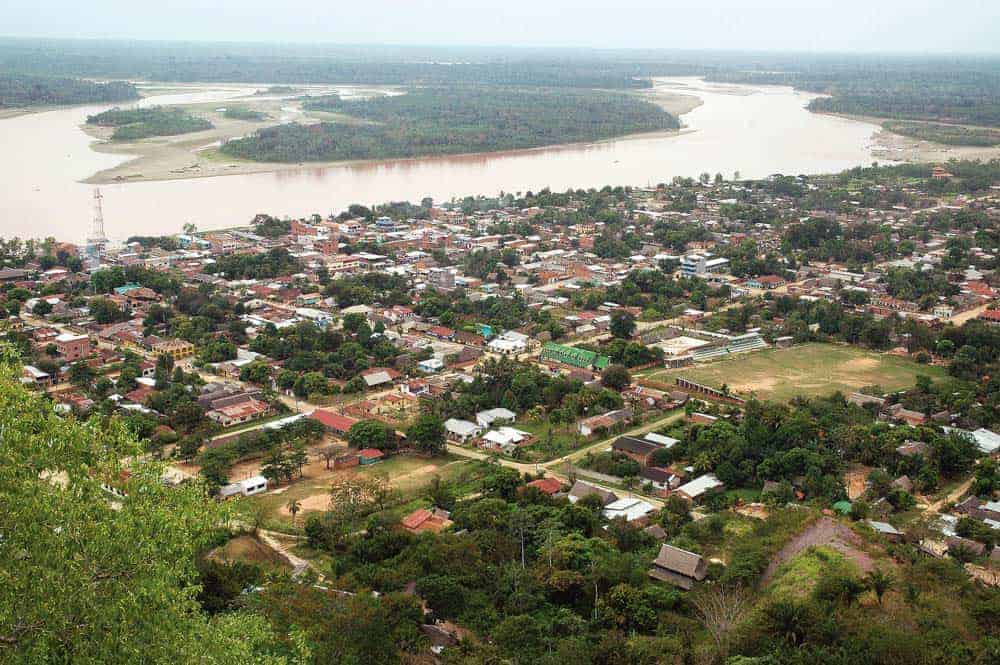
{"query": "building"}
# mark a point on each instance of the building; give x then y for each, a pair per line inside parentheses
(177, 349)
(629, 508)
(368, 456)
(678, 567)
(701, 264)
(461, 430)
(581, 490)
(695, 489)
(499, 415)
(72, 347)
(603, 422)
(334, 423)
(636, 449)
(422, 519)
(241, 412)
(574, 357)
(547, 486)
(247, 487)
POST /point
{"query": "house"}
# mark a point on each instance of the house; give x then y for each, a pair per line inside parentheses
(678, 567)
(461, 430)
(334, 423)
(547, 486)
(581, 490)
(605, 421)
(660, 479)
(422, 519)
(368, 456)
(246, 487)
(177, 349)
(72, 347)
(499, 415)
(629, 508)
(36, 377)
(885, 529)
(661, 439)
(241, 412)
(693, 490)
(379, 376)
(636, 449)
(431, 365)
(767, 282)
(505, 439)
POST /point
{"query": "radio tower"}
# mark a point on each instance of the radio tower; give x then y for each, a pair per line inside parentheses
(97, 242)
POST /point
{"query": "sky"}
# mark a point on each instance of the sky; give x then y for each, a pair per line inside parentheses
(913, 26)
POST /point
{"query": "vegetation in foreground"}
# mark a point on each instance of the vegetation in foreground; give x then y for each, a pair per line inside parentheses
(438, 121)
(134, 124)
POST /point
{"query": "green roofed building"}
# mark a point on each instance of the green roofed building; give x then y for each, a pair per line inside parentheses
(569, 355)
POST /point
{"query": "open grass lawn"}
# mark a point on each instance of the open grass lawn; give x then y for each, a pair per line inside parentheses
(810, 370)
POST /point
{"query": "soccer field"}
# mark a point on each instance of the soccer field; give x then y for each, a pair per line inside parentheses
(808, 369)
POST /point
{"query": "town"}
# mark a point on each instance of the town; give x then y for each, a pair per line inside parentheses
(631, 405)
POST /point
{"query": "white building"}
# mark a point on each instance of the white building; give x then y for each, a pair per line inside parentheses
(247, 487)
(490, 416)
(462, 430)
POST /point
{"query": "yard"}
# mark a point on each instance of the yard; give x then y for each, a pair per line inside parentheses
(407, 475)
(810, 370)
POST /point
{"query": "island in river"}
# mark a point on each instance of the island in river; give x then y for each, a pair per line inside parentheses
(197, 154)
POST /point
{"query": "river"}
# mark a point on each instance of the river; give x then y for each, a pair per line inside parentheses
(756, 131)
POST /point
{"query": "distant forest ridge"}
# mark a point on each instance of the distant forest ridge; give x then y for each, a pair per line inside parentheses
(439, 121)
(23, 90)
(950, 89)
(958, 91)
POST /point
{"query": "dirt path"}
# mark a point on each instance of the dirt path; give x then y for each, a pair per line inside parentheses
(825, 532)
(271, 539)
(953, 497)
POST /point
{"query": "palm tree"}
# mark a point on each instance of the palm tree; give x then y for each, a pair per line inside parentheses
(293, 507)
(879, 582)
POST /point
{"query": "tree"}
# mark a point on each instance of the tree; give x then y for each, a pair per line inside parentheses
(622, 324)
(879, 582)
(298, 457)
(371, 434)
(616, 377)
(426, 434)
(53, 611)
(722, 609)
(293, 507)
(42, 308)
(275, 465)
(80, 374)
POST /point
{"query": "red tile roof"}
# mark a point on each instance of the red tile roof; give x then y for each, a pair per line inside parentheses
(546, 485)
(370, 453)
(333, 421)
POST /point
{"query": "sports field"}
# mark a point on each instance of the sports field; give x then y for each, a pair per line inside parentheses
(809, 369)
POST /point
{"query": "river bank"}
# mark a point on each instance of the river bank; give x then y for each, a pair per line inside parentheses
(898, 148)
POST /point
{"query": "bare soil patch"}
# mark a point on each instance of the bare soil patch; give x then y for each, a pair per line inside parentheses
(825, 532)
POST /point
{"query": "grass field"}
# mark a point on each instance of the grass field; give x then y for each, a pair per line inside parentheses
(809, 370)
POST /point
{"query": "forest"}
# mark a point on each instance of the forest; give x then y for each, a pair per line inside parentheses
(328, 64)
(437, 121)
(956, 91)
(23, 90)
(244, 113)
(134, 124)
(947, 134)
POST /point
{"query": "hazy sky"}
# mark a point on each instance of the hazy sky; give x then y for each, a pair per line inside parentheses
(810, 25)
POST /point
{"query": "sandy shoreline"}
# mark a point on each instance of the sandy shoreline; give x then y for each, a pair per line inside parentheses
(899, 148)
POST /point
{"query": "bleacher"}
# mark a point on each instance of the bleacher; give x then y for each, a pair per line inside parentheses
(739, 344)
